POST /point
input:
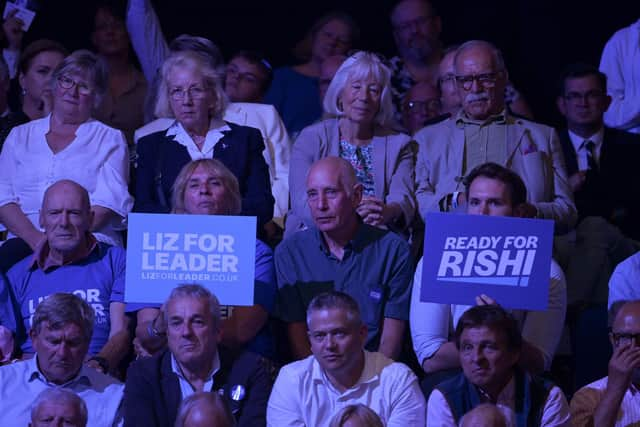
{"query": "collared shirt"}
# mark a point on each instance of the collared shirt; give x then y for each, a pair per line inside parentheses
(586, 400)
(98, 279)
(21, 382)
(97, 159)
(182, 137)
(484, 140)
(42, 260)
(579, 146)
(303, 395)
(375, 270)
(554, 413)
(185, 386)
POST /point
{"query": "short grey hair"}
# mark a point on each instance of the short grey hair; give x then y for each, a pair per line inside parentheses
(335, 300)
(60, 309)
(473, 44)
(224, 416)
(194, 291)
(211, 76)
(63, 395)
(361, 65)
(85, 62)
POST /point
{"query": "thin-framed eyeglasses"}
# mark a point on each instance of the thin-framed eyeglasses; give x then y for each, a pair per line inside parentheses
(195, 92)
(484, 79)
(66, 83)
(623, 338)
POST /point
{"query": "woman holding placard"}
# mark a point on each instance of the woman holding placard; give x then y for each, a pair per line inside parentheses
(190, 90)
(207, 187)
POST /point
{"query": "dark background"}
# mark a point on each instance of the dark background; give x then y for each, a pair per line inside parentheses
(537, 37)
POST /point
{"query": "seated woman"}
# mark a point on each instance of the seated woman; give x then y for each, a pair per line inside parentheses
(207, 187)
(190, 90)
(359, 96)
(67, 144)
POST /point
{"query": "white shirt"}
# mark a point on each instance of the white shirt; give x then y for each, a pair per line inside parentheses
(624, 284)
(581, 149)
(621, 63)
(303, 396)
(586, 400)
(21, 382)
(213, 136)
(185, 386)
(554, 413)
(11, 57)
(97, 159)
(432, 323)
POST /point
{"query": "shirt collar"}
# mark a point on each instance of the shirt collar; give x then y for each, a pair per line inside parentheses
(357, 242)
(577, 141)
(506, 395)
(41, 254)
(462, 119)
(176, 369)
(369, 373)
(213, 136)
(34, 373)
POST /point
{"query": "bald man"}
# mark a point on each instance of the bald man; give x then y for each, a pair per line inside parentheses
(614, 400)
(69, 259)
(342, 253)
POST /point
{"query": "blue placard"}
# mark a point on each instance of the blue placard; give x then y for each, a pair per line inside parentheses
(215, 251)
(508, 259)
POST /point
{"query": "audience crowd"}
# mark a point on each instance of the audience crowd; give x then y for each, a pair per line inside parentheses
(339, 157)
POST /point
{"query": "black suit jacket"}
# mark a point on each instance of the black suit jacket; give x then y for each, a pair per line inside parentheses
(152, 392)
(240, 150)
(613, 191)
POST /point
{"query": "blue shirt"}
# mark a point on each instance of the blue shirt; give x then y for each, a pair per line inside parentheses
(376, 270)
(97, 279)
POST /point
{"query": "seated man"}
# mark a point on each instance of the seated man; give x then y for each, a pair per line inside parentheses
(614, 400)
(341, 253)
(155, 386)
(61, 331)
(491, 190)
(204, 409)
(340, 373)
(71, 260)
(58, 407)
(490, 345)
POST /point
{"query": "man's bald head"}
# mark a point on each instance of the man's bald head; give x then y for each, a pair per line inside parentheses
(485, 415)
(69, 187)
(337, 166)
(627, 312)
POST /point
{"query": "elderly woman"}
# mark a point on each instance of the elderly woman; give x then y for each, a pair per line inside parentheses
(207, 187)
(191, 91)
(360, 99)
(66, 144)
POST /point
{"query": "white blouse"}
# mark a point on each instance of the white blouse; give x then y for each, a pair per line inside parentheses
(97, 159)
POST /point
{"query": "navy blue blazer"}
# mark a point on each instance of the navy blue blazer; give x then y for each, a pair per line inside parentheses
(240, 150)
(152, 393)
(612, 192)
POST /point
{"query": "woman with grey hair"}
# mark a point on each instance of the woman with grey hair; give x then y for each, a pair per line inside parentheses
(190, 91)
(66, 144)
(359, 97)
(207, 187)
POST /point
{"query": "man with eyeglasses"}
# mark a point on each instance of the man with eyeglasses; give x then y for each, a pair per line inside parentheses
(483, 131)
(601, 163)
(421, 106)
(615, 399)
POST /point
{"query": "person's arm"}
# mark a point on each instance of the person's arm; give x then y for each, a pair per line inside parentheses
(146, 37)
(254, 409)
(17, 223)
(7, 344)
(101, 217)
(624, 361)
(150, 333)
(438, 412)
(409, 406)
(401, 185)
(298, 340)
(561, 209)
(277, 138)
(618, 62)
(138, 400)
(556, 410)
(243, 325)
(392, 337)
(623, 281)
(119, 337)
(257, 198)
(148, 150)
(283, 409)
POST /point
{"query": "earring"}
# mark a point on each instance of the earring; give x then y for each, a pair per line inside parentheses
(24, 92)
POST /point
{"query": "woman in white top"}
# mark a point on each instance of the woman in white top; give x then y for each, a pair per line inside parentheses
(66, 144)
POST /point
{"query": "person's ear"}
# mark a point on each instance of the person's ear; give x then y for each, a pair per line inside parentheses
(357, 193)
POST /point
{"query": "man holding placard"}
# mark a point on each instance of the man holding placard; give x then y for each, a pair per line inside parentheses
(496, 191)
(341, 253)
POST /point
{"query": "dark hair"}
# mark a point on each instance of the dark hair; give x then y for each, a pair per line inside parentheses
(577, 70)
(515, 185)
(302, 50)
(259, 60)
(60, 309)
(37, 47)
(493, 317)
(335, 300)
(115, 8)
